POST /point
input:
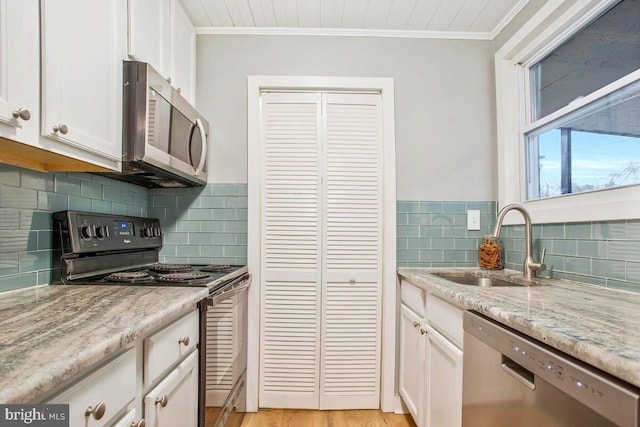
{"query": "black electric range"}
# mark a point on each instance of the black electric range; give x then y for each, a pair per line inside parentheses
(102, 249)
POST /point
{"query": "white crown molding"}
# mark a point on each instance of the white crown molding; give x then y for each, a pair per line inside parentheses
(505, 21)
(345, 32)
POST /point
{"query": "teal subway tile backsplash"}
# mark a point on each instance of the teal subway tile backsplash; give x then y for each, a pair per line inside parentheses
(204, 225)
(201, 225)
(434, 233)
(209, 225)
(27, 200)
(604, 253)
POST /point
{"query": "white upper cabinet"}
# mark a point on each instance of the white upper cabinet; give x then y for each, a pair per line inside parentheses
(19, 70)
(83, 44)
(161, 34)
(183, 45)
(148, 33)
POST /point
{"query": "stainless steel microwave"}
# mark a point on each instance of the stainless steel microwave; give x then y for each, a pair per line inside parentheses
(164, 137)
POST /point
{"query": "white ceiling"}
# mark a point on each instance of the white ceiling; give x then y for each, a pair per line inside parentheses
(467, 19)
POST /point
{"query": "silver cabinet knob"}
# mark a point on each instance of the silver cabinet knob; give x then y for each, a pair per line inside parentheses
(423, 331)
(179, 90)
(416, 324)
(21, 113)
(140, 423)
(162, 400)
(169, 80)
(96, 411)
(62, 128)
(184, 340)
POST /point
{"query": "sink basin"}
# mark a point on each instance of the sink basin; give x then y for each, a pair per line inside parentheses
(484, 282)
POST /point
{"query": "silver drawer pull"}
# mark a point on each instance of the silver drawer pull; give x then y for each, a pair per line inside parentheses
(21, 113)
(162, 400)
(416, 324)
(96, 411)
(62, 128)
(184, 341)
(140, 423)
(423, 331)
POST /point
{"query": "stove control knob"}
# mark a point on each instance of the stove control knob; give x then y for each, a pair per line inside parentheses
(102, 231)
(156, 232)
(86, 231)
(147, 232)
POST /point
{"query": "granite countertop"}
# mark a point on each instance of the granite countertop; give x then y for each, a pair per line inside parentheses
(51, 333)
(597, 325)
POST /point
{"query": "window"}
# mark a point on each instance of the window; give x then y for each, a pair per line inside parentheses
(582, 132)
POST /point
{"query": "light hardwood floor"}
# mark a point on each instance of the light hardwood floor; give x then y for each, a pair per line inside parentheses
(309, 418)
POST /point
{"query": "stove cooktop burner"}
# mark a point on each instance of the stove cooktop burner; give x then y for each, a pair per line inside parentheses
(182, 277)
(127, 276)
(215, 268)
(170, 268)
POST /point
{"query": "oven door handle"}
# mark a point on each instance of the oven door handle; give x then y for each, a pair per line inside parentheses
(235, 287)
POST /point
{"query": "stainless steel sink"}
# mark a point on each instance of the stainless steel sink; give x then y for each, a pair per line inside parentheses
(484, 282)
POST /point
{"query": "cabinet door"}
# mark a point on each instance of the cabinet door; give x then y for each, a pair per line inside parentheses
(130, 419)
(19, 70)
(149, 33)
(412, 362)
(444, 387)
(83, 46)
(183, 43)
(174, 402)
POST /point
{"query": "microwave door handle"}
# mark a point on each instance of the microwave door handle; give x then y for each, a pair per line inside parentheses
(203, 153)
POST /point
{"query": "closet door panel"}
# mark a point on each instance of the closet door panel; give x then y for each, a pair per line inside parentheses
(321, 250)
(291, 247)
(352, 252)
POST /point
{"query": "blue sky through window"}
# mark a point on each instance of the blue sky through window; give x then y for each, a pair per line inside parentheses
(598, 160)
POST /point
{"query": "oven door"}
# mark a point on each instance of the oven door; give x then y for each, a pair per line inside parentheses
(223, 353)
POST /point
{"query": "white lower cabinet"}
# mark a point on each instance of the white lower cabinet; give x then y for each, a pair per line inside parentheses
(97, 399)
(115, 394)
(174, 401)
(430, 358)
(412, 369)
(444, 385)
(412, 361)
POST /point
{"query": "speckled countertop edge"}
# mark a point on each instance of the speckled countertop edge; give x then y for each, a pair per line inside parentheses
(51, 333)
(596, 325)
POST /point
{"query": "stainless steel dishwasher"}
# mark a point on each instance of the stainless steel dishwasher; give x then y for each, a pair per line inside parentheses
(510, 379)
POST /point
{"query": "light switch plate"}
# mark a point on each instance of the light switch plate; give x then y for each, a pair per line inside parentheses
(473, 219)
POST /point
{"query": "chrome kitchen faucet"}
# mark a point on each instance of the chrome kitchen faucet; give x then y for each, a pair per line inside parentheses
(529, 267)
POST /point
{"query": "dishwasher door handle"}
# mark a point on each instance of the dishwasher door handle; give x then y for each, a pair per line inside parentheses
(521, 374)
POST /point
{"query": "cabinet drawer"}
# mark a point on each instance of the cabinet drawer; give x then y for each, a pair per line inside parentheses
(413, 297)
(445, 318)
(166, 347)
(113, 387)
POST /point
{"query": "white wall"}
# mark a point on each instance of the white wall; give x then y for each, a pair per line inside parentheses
(445, 108)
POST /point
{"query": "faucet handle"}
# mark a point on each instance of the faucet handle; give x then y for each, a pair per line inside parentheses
(540, 266)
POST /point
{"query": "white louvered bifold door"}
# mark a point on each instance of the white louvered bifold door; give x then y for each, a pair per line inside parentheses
(352, 252)
(291, 250)
(321, 250)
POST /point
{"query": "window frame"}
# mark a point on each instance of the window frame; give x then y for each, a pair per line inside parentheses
(554, 23)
